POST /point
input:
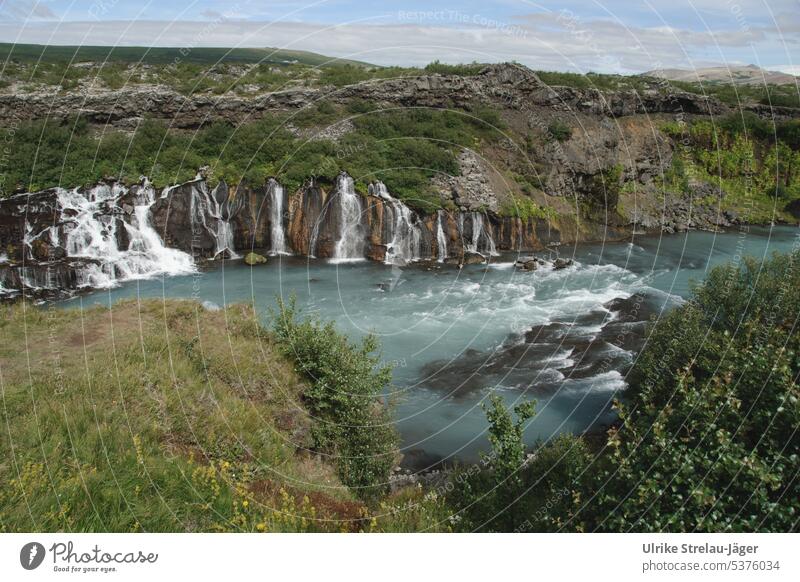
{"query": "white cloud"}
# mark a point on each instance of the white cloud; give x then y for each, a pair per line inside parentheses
(25, 10)
(791, 69)
(542, 41)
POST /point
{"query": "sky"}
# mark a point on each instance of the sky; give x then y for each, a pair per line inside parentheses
(611, 36)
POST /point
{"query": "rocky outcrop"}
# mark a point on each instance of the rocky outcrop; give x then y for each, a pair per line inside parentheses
(509, 86)
(470, 189)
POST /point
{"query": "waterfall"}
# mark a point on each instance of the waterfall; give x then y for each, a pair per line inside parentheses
(441, 240)
(204, 204)
(406, 237)
(350, 245)
(277, 233)
(479, 234)
(94, 233)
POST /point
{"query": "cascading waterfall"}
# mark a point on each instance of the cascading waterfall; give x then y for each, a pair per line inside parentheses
(441, 240)
(277, 233)
(478, 229)
(93, 234)
(404, 245)
(350, 245)
(204, 204)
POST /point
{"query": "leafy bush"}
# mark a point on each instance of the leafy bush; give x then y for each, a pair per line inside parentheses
(559, 131)
(526, 209)
(351, 422)
(513, 492)
(708, 438)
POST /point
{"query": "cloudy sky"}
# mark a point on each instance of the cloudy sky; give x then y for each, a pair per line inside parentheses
(579, 35)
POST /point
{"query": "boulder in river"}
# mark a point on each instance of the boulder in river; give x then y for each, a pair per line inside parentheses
(527, 263)
(254, 259)
(471, 258)
(561, 263)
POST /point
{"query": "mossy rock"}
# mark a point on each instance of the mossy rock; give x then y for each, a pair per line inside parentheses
(255, 259)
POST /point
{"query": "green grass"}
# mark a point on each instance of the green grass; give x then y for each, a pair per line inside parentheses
(161, 416)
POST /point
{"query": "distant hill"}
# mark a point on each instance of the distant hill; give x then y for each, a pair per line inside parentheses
(738, 75)
(164, 55)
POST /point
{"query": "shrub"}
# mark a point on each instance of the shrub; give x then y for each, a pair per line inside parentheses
(351, 421)
(708, 438)
(559, 131)
(526, 209)
(513, 492)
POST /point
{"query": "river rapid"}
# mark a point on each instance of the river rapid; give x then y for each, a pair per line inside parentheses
(565, 338)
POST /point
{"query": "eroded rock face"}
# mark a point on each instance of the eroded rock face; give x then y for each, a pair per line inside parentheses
(471, 189)
(58, 240)
(507, 85)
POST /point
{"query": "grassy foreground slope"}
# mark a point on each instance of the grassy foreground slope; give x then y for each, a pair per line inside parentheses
(162, 416)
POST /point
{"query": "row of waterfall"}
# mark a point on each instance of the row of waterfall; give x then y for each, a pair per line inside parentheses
(106, 234)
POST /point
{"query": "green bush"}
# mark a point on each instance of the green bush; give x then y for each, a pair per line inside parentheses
(708, 435)
(352, 424)
(526, 209)
(559, 131)
(511, 491)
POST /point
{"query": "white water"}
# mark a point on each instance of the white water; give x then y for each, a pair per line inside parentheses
(350, 245)
(278, 244)
(204, 204)
(93, 234)
(404, 246)
(441, 240)
(478, 230)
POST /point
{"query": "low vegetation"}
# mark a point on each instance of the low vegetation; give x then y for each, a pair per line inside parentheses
(164, 416)
(409, 146)
(756, 162)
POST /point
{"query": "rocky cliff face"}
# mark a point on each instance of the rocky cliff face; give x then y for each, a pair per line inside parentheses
(506, 86)
(63, 240)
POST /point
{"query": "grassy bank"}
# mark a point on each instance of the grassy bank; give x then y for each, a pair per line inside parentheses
(163, 416)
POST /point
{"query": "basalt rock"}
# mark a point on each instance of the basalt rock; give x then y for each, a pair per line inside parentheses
(205, 223)
(506, 85)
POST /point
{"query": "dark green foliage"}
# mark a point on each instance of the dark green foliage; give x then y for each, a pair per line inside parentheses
(601, 193)
(351, 423)
(407, 146)
(464, 70)
(559, 131)
(709, 436)
(510, 492)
